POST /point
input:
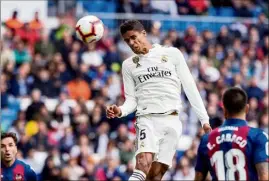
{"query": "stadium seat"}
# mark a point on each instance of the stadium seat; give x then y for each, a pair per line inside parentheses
(212, 11)
(226, 12)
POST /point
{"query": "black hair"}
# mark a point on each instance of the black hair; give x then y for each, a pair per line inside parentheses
(131, 25)
(234, 100)
(9, 135)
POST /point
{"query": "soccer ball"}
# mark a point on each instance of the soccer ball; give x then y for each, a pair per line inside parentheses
(89, 29)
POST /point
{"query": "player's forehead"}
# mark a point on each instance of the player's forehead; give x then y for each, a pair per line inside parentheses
(7, 140)
(130, 33)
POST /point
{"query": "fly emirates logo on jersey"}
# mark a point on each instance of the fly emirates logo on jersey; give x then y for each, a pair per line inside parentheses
(154, 72)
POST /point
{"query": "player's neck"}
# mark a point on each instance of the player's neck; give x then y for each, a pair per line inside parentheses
(239, 116)
(9, 164)
(146, 48)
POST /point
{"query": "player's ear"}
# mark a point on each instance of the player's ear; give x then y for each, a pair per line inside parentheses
(225, 113)
(144, 32)
(247, 108)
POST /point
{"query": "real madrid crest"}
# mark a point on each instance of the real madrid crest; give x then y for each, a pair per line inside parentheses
(164, 58)
(136, 61)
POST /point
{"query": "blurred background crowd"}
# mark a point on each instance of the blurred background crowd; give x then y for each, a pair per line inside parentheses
(54, 89)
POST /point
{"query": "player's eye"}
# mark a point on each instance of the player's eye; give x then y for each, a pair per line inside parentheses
(133, 37)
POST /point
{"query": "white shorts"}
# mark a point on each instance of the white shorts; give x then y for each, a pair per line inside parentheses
(158, 134)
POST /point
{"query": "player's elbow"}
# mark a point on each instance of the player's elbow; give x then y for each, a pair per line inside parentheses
(264, 176)
(199, 176)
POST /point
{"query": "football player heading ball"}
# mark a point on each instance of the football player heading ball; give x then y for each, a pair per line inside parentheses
(152, 83)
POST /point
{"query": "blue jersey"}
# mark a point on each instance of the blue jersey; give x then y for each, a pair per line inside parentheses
(19, 171)
(231, 151)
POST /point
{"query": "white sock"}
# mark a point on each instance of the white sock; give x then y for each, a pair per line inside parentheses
(137, 175)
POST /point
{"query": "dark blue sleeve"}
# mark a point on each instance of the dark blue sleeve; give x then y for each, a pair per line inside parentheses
(201, 162)
(31, 175)
(261, 148)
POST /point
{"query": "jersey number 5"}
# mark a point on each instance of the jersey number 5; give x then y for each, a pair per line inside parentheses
(142, 134)
(217, 160)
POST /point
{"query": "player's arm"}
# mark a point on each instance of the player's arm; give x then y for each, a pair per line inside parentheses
(262, 169)
(261, 156)
(201, 168)
(130, 103)
(189, 86)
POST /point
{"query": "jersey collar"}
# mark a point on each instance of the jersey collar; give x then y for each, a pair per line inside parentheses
(235, 122)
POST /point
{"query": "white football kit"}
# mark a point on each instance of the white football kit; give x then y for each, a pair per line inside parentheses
(152, 87)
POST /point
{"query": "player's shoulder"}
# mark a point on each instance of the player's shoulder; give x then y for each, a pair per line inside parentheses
(257, 132)
(20, 162)
(129, 61)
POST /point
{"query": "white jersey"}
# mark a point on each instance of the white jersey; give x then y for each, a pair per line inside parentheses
(152, 83)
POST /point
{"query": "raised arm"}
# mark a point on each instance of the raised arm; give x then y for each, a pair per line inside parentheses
(189, 86)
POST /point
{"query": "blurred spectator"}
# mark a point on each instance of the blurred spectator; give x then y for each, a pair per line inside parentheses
(83, 143)
(183, 7)
(50, 170)
(223, 38)
(19, 125)
(102, 140)
(14, 22)
(253, 110)
(244, 8)
(92, 57)
(44, 47)
(262, 26)
(36, 105)
(29, 36)
(164, 7)
(36, 23)
(184, 171)
(39, 141)
(126, 153)
(22, 55)
(110, 171)
(20, 84)
(112, 150)
(154, 34)
(111, 56)
(125, 6)
(7, 55)
(254, 91)
(75, 171)
(198, 7)
(45, 84)
(4, 94)
(144, 7)
(78, 88)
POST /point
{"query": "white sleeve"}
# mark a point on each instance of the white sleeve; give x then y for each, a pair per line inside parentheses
(130, 103)
(189, 87)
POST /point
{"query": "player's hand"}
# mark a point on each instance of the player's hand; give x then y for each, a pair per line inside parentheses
(113, 111)
(207, 128)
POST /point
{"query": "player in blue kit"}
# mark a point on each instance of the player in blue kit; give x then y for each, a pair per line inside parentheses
(234, 151)
(12, 168)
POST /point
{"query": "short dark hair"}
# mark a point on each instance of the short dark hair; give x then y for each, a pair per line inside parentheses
(11, 135)
(131, 25)
(234, 100)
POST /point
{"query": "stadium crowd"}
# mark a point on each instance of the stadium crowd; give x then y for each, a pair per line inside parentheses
(62, 88)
